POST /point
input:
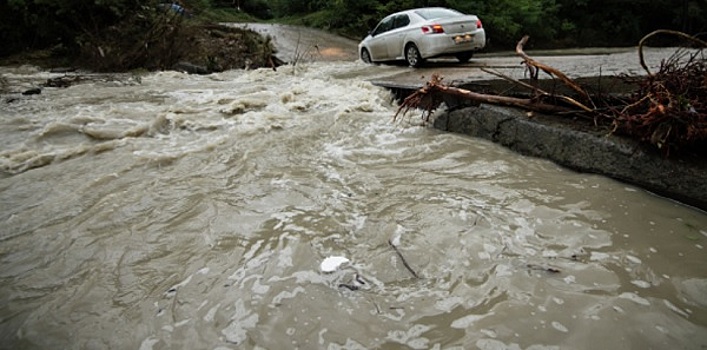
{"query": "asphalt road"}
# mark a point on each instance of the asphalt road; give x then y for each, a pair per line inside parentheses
(295, 43)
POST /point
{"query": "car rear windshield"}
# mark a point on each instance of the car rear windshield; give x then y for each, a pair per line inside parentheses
(437, 13)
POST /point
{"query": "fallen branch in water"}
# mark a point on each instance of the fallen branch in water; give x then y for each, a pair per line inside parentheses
(428, 100)
(402, 258)
(543, 268)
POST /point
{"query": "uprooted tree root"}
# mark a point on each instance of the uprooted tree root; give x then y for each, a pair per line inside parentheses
(668, 110)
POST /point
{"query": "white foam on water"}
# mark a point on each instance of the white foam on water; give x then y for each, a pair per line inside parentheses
(237, 331)
(559, 326)
(195, 111)
(635, 298)
(332, 263)
(278, 170)
(209, 317)
(676, 309)
(468, 320)
(641, 284)
(148, 343)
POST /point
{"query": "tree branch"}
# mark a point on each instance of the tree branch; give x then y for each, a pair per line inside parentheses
(549, 70)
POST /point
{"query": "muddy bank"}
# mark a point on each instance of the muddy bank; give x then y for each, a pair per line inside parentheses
(579, 146)
(297, 44)
(190, 48)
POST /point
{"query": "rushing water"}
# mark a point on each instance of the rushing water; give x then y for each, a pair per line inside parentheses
(176, 211)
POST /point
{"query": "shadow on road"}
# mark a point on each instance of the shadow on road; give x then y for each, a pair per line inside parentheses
(486, 62)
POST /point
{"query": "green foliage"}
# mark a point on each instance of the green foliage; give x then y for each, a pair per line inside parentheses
(69, 24)
(550, 23)
(220, 15)
(284, 8)
(41, 23)
(150, 37)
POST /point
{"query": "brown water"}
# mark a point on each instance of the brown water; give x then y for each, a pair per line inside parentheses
(193, 212)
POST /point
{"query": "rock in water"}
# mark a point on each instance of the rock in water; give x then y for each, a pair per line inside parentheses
(34, 91)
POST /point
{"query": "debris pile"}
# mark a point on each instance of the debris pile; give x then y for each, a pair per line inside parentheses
(668, 110)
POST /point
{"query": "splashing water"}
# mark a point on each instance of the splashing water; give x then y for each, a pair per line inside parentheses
(177, 211)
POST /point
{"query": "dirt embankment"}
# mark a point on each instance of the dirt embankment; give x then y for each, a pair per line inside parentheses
(219, 48)
(192, 48)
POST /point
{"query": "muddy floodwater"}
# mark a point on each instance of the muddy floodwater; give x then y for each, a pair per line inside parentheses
(169, 211)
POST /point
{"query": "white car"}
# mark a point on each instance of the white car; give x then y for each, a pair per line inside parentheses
(418, 34)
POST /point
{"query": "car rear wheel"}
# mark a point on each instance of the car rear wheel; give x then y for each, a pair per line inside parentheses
(366, 56)
(464, 57)
(412, 56)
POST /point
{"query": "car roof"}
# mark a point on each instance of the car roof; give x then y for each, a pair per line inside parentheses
(428, 8)
(416, 10)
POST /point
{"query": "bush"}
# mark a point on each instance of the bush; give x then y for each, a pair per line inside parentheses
(32, 24)
(101, 34)
(152, 38)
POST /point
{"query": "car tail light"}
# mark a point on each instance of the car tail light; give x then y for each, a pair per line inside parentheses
(478, 24)
(432, 29)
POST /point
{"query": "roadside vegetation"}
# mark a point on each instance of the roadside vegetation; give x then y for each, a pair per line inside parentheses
(552, 23)
(127, 34)
(122, 35)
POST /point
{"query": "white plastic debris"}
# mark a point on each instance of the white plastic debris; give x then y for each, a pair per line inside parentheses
(332, 263)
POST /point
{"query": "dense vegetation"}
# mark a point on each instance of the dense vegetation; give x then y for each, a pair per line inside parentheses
(551, 23)
(119, 35)
(86, 28)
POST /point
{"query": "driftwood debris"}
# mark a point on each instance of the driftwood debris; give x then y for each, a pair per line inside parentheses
(535, 66)
(641, 44)
(402, 258)
(425, 97)
(669, 109)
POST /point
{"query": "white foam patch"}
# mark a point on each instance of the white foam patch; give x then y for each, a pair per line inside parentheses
(676, 309)
(412, 337)
(449, 303)
(243, 320)
(468, 320)
(633, 259)
(635, 298)
(559, 326)
(493, 344)
(641, 284)
(287, 294)
(148, 343)
(332, 263)
(209, 317)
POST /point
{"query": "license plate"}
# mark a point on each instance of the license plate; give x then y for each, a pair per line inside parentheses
(460, 39)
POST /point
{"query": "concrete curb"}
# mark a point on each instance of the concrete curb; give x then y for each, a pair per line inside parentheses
(577, 146)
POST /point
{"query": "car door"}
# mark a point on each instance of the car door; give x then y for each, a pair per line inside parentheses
(378, 44)
(395, 39)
